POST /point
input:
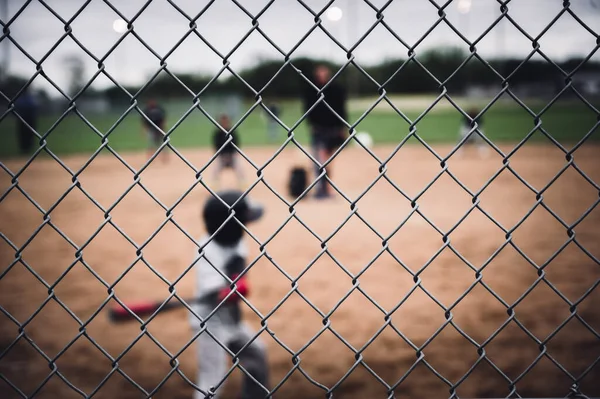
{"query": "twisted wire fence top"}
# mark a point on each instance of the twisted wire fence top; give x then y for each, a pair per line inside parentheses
(443, 16)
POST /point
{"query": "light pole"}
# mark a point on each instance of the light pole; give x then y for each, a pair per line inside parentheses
(334, 14)
(500, 36)
(352, 26)
(6, 50)
(464, 8)
(120, 27)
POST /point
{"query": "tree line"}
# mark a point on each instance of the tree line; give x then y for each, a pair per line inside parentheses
(421, 74)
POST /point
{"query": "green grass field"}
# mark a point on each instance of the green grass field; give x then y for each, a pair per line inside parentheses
(567, 122)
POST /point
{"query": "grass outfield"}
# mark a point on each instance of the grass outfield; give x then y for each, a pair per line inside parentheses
(566, 122)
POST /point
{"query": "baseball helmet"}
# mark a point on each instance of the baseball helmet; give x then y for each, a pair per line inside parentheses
(215, 213)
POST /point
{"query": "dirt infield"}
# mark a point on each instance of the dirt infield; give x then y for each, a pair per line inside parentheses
(327, 359)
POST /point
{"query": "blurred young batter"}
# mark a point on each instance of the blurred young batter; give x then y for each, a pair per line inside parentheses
(226, 255)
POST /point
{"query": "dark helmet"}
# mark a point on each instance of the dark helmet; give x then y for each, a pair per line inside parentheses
(216, 212)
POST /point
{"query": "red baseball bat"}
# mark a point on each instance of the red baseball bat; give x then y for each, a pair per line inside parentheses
(119, 313)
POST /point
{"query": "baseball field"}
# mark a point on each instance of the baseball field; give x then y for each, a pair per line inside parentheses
(517, 307)
(566, 120)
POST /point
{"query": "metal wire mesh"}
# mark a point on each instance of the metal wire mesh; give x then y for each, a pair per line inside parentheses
(351, 201)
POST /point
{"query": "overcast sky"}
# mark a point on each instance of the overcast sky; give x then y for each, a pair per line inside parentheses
(224, 25)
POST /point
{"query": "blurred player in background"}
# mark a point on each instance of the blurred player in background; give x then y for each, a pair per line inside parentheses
(227, 158)
(227, 253)
(27, 108)
(327, 130)
(272, 125)
(473, 137)
(156, 114)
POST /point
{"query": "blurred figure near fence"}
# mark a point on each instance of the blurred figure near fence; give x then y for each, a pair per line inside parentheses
(472, 137)
(326, 120)
(272, 125)
(154, 126)
(227, 157)
(27, 108)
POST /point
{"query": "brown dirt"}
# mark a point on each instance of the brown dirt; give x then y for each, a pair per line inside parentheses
(356, 319)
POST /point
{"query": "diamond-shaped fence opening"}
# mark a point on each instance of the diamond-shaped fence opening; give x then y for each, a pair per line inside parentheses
(353, 198)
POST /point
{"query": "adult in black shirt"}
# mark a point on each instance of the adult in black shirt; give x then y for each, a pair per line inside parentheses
(326, 120)
(227, 157)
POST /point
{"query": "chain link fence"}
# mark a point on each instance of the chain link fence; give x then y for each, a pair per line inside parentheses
(18, 319)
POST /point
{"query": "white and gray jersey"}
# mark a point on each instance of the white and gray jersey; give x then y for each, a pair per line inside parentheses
(208, 279)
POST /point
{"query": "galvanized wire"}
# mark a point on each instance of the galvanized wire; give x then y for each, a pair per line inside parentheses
(354, 211)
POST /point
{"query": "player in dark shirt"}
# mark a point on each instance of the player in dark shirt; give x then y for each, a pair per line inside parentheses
(473, 138)
(227, 157)
(26, 108)
(327, 130)
(273, 126)
(156, 114)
